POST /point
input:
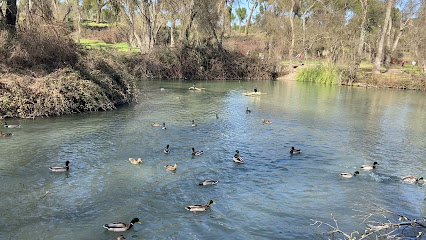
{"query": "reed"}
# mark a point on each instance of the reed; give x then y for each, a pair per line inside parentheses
(326, 73)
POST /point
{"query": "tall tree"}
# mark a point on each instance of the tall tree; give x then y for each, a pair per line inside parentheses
(249, 18)
(379, 56)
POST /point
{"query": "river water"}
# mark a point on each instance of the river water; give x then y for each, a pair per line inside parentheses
(272, 196)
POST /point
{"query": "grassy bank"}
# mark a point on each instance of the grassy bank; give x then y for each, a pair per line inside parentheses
(401, 78)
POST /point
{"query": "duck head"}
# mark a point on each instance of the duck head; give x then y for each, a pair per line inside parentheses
(356, 173)
(238, 152)
(135, 220)
(5, 123)
(192, 149)
(210, 202)
(375, 163)
(67, 163)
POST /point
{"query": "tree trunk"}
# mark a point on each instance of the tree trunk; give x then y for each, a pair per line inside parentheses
(230, 17)
(388, 45)
(11, 12)
(249, 18)
(358, 53)
(290, 52)
(99, 11)
(379, 56)
(172, 30)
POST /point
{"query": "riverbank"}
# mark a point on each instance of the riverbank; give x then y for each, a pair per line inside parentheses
(394, 78)
(43, 72)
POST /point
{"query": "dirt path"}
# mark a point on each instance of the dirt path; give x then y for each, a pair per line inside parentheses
(291, 76)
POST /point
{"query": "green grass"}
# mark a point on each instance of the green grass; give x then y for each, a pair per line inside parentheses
(324, 73)
(366, 65)
(94, 24)
(97, 44)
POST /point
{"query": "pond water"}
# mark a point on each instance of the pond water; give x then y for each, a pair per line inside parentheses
(274, 195)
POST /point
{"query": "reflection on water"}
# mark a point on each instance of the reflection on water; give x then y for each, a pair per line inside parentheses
(272, 196)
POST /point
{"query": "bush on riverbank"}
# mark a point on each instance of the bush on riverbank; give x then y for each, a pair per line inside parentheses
(204, 62)
(43, 73)
(322, 73)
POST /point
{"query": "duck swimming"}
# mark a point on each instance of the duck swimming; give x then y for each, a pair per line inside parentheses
(248, 111)
(208, 182)
(61, 169)
(369, 167)
(199, 207)
(134, 161)
(349, 175)
(167, 149)
(164, 126)
(266, 121)
(412, 179)
(10, 126)
(193, 123)
(121, 227)
(295, 151)
(171, 168)
(5, 135)
(155, 124)
(237, 158)
(198, 153)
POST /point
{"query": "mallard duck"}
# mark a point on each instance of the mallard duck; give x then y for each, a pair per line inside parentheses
(193, 123)
(134, 161)
(121, 237)
(198, 153)
(61, 169)
(155, 124)
(164, 126)
(10, 126)
(121, 227)
(266, 121)
(171, 168)
(412, 179)
(237, 158)
(349, 175)
(208, 182)
(369, 167)
(295, 151)
(199, 207)
(5, 135)
(248, 111)
(167, 149)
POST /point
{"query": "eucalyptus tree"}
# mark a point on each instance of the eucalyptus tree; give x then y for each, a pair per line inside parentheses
(254, 5)
(378, 60)
(401, 19)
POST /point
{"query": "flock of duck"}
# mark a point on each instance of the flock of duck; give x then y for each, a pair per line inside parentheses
(121, 227)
